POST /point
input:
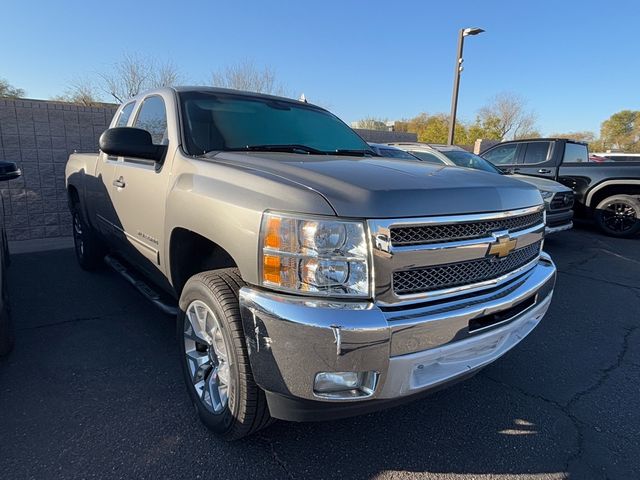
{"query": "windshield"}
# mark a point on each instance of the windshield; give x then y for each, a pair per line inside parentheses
(216, 121)
(396, 153)
(469, 160)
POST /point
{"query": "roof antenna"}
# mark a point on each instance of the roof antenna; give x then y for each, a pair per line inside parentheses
(303, 99)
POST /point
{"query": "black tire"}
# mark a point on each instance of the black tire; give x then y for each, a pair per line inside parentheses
(246, 409)
(6, 330)
(619, 216)
(89, 249)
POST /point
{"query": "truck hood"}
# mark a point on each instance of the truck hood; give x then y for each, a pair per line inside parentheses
(542, 183)
(377, 187)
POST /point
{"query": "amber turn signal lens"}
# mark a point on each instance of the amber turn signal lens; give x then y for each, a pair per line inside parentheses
(271, 269)
(272, 236)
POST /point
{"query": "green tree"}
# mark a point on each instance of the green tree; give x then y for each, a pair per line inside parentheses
(9, 91)
(622, 131)
(432, 128)
(487, 128)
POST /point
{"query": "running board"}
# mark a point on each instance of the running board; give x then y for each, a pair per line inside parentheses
(163, 302)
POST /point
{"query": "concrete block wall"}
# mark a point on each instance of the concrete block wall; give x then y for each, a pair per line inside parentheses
(39, 136)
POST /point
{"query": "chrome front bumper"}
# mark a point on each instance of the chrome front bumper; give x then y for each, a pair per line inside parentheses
(412, 349)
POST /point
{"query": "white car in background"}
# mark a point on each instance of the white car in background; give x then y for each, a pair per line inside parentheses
(558, 198)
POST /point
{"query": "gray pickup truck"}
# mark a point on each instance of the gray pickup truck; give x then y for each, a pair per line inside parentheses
(607, 192)
(313, 278)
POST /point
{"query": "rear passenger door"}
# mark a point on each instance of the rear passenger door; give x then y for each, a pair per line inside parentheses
(505, 157)
(537, 159)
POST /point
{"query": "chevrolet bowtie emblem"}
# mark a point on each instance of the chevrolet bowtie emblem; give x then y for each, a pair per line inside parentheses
(502, 247)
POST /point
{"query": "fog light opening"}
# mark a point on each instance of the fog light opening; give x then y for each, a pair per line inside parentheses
(345, 385)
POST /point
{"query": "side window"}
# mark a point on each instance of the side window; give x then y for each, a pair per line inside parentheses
(152, 117)
(427, 157)
(125, 113)
(537, 152)
(502, 155)
(575, 153)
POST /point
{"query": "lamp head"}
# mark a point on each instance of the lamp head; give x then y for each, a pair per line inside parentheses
(471, 31)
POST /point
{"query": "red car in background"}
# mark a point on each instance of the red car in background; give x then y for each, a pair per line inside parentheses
(598, 159)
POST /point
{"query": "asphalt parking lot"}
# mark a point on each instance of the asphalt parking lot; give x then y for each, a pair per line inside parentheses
(94, 390)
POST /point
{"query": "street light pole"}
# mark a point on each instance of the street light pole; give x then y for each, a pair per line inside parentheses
(456, 79)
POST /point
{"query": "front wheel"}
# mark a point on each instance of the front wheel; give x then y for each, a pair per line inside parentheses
(214, 356)
(619, 216)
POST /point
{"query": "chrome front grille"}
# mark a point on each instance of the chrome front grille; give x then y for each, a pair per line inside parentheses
(428, 279)
(426, 234)
(429, 258)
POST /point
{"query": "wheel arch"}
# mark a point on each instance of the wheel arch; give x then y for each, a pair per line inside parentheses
(611, 187)
(191, 253)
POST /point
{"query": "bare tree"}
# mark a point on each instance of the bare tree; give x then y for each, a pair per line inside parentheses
(165, 75)
(82, 91)
(371, 123)
(9, 91)
(134, 74)
(508, 115)
(583, 136)
(246, 76)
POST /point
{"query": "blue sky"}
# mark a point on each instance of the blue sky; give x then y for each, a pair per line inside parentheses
(576, 62)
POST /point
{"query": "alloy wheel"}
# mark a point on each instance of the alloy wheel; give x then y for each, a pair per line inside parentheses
(77, 234)
(207, 356)
(619, 216)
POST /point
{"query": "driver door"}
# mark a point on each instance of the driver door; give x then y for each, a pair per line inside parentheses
(140, 192)
(506, 157)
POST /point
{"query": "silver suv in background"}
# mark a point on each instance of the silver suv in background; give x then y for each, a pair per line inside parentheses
(558, 199)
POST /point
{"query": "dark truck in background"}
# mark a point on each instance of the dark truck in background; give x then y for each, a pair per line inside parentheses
(607, 192)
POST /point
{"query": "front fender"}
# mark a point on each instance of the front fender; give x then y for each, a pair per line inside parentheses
(225, 204)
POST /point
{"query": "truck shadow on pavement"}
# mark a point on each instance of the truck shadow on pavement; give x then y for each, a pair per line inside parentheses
(94, 388)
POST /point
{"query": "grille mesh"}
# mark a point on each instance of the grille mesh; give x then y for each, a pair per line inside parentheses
(465, 273)
(562, 201)
(425, 234)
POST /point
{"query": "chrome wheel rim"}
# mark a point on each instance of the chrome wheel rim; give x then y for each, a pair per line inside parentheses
(207, 356)
(77, 234)
(619, 216)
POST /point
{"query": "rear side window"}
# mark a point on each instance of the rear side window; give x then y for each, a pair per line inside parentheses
(575, 153)
(537, 152)
(153, 118)
(502, 155)
(125, 113)
(427, 157)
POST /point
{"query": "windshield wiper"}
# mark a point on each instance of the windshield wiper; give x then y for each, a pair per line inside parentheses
(293, 148)
(353, 153)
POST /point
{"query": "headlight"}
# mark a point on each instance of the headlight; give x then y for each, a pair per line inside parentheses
(546, 195)
(322, 256)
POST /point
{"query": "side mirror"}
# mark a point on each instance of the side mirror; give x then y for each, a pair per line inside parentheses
(131, 142)
(9, 171)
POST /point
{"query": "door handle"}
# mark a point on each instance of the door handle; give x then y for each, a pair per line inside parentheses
(544, 170)
(119, 183)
